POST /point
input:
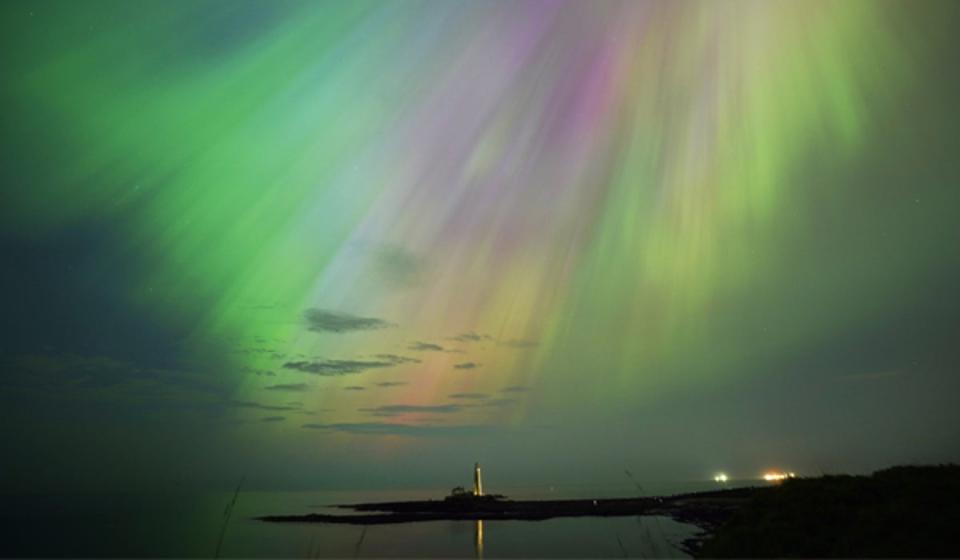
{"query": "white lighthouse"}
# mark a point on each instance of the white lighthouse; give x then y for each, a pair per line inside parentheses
(477, 483)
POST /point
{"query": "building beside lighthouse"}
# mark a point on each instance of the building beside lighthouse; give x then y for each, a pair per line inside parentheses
(464, 495)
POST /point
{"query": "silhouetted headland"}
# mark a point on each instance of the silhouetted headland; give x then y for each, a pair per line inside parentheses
(706, 508)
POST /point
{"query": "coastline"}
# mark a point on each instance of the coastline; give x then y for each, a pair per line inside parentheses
(901, 511)
(704, 509)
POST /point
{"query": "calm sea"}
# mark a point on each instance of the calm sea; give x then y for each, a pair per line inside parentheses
(191, 525)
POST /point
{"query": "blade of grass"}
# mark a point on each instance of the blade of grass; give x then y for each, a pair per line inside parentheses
(227, 512)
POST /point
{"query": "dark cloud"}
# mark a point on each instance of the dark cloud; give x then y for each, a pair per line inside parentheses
(398, 409)
(254, 350)
(466, 365)
(293, 387)
(425, 347)
(354, 388)
(321, 320)
(488, 403)
(391, 383)
(345, 367)
(498, 402)
(273, 419)
(515, 389)
(261, 406)
(105, 376)
(471, 337)
(315, 412)
(397, 359)
(397, 266)
(410, 430)
(469, 396)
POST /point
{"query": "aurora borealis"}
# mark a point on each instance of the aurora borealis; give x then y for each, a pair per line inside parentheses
(291, 238)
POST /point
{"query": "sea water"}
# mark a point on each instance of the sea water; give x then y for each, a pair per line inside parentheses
(198, 525)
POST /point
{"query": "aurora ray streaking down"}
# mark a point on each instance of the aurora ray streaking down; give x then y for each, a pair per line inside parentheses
(361, 244)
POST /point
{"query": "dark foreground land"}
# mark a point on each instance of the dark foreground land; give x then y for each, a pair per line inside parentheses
(897, 512)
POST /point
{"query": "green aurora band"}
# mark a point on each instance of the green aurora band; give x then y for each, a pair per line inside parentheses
(615, 202)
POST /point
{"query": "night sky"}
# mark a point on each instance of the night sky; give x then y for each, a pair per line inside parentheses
(365, 244)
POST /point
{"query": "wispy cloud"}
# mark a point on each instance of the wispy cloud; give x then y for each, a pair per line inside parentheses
(515, 389)
(292, 387)
(425, 347)
(469, 396)
(345, 367)
(354, 388)
(471, 337)
(409, 430)
(261, 406)
(489, 403)
(391, 383)
(322, 320)
(398, 409)
(255, 350)
(397, 359)
(466, 365)
(397, 266)
(96, 373)
(273, 419)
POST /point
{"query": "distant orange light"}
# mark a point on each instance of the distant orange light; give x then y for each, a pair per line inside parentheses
(778, 476)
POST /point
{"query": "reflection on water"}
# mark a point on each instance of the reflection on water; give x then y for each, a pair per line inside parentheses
(478, 538)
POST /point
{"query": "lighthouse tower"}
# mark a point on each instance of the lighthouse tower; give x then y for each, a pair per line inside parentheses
(477, 483)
